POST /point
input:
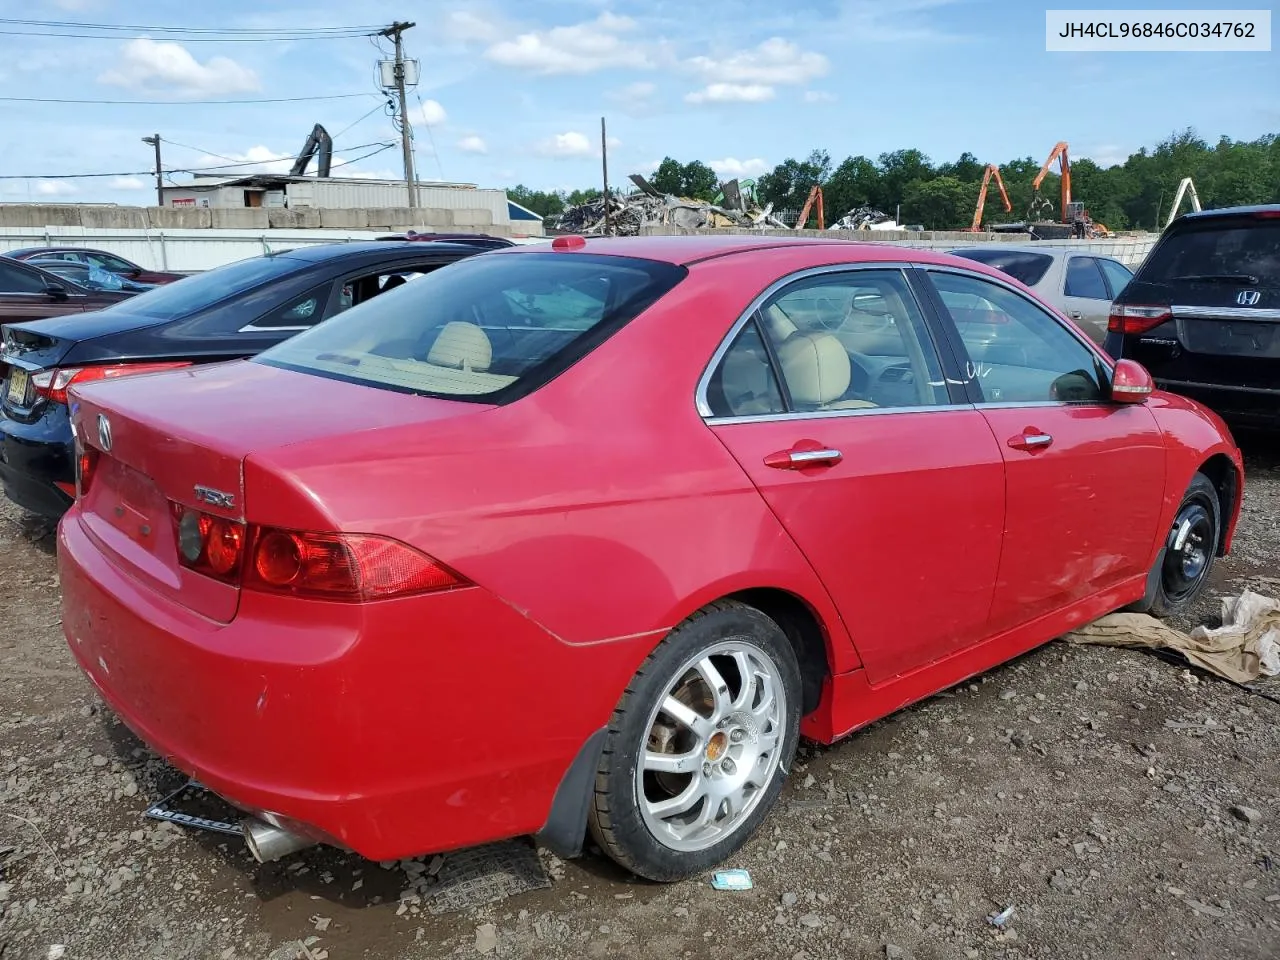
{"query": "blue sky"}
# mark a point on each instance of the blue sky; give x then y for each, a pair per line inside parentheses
(513, 92)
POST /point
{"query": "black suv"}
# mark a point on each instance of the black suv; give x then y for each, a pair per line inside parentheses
(1203, 313)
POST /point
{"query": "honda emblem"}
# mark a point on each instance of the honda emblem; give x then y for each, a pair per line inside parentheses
(1248, 298)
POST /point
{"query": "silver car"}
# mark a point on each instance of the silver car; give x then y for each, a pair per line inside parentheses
(1079, 283)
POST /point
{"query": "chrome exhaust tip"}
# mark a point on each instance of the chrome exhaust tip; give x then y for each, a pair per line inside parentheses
(267, 843)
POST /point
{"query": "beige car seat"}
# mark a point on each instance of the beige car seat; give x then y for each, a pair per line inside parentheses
(818, 371)
(462, 346)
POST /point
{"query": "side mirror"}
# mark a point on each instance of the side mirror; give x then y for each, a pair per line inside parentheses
(55, 291)
(1130, 382)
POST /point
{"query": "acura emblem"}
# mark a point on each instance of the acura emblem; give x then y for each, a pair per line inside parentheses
(104, 433)
(1248, 298)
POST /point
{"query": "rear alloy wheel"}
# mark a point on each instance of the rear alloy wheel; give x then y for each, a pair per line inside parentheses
(698, 748)
(1189, 549)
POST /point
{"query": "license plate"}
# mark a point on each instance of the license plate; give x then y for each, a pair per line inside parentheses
(17, 392)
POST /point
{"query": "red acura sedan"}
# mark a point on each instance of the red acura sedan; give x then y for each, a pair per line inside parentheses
(583, 538)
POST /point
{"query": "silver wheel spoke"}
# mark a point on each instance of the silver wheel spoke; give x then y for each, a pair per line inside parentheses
(750, 681)
(687, 716)
(766, 708)
(681, 803)
(719, 689)
(673, 762)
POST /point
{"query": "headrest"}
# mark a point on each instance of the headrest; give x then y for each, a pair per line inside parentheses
(462, 345)
(816, 367)
(777, 323)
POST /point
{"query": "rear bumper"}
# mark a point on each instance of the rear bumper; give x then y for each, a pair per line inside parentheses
(394, 728)
(34, 458)
(1247, 407)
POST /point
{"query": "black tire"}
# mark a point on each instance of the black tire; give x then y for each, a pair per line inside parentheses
(1181, 572)
(615, 818)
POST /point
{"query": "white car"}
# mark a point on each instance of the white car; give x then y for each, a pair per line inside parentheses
(1079, 283)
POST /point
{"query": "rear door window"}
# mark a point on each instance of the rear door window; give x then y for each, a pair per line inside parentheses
(492, 328)
(300, 313)
(1084, 279)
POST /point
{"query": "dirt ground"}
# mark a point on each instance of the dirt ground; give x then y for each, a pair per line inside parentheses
(1123, 806)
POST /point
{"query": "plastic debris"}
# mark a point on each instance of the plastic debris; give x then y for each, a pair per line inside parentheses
(731, 880)
(998, 920)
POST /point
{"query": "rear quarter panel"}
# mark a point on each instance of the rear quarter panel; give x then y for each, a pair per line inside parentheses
(601, 506)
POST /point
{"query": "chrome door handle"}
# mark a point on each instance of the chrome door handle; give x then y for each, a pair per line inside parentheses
(1075, 314)
(1030, 441)
(795, 459)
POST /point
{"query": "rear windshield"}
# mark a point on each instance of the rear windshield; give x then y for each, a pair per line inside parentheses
(492, 327)
(1028, 268)
(1221, 248)
(192, 294)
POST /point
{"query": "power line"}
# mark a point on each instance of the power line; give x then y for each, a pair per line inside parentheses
(183, 103)
(210, 169)
(114, 31)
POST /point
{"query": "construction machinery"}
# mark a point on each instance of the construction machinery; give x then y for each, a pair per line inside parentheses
(1074, 214)
(319, 145)
(815, 195)
(1184, 188)
(991, 171)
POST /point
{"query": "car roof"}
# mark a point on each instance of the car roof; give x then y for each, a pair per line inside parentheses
(373, 250)
(686, 250)
(1272, 208)
(1055, 252)
(28, 251)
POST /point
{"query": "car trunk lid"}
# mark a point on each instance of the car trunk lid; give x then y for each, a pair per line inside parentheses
(179, 440)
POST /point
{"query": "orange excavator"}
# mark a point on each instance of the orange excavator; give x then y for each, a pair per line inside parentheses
(814, 195)
(991, 171)
(1073, 214)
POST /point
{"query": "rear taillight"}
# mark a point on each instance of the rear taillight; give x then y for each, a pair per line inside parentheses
(86, 464)
(1131, 318)
(210, 545)
(322, 566)
(333, 566)
(52, 384)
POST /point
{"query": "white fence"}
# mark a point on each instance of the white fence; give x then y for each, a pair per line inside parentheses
(182, 250)
(192, 250)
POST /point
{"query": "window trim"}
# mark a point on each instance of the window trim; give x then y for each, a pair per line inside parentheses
(957, 342)
(322, 306)
(902, 267)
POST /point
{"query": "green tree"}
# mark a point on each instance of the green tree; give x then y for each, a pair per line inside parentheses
(669, 177)
(967, 168)
(699, 180)
(942, 203)
(853, 184)
(897, 169)
(544, 203)
(787, 186)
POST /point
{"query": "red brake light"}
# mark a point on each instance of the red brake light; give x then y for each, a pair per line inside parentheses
(1132, 318)
(1268, 215)
(333, 566)
(52, 384)
(210, 545)
(570, 241)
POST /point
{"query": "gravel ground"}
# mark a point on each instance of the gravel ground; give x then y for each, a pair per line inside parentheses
(1122, 806)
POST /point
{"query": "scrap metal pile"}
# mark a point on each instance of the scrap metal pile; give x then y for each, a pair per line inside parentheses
(864, 218)
(647, 207)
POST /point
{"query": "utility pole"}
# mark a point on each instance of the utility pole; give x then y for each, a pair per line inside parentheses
(155, 142)
(406, 142)
(604, 160)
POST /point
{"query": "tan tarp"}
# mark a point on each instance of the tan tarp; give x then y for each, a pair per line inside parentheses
(1245, 647)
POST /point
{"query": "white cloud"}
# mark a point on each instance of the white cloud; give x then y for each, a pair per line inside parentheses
(731, 93)
(55, 188)
(582, 48)
(775, 61)
(904, 21)
(161, 66)
(731, 167)
(429, 112)
(127, 183)
(636, 99)
(257, 159)
(819, 96)
(565, 145)
(382, 174)
(473, 144)
(464, 26)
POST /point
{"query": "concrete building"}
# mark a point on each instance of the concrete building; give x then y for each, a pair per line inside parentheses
(460, 205)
